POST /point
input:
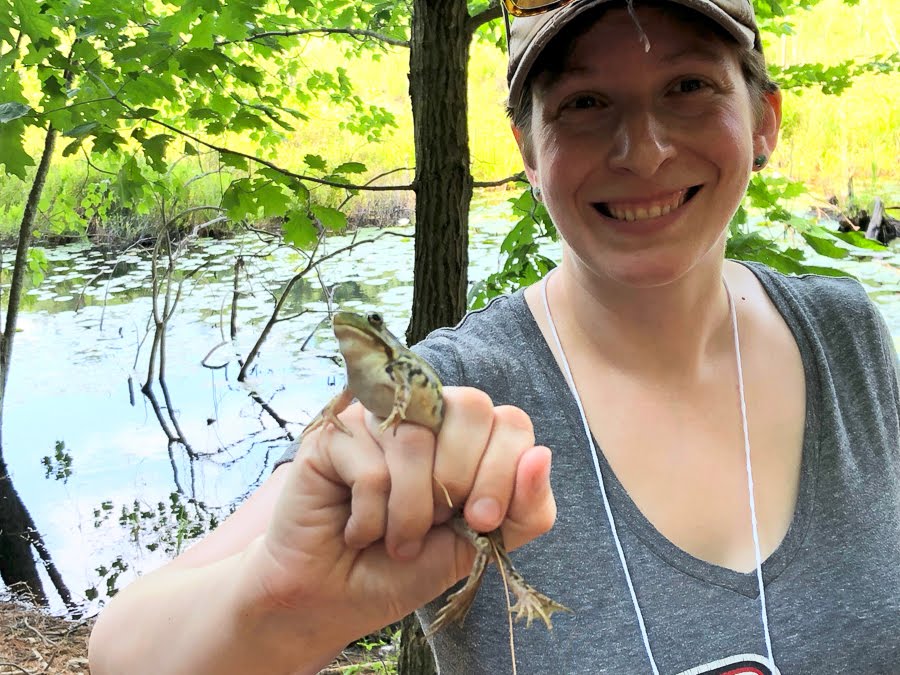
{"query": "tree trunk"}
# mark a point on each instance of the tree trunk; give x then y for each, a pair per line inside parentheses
(17, 530)
(438, 71)
(438, 75)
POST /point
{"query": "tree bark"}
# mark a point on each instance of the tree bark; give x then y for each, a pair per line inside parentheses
(438, 73)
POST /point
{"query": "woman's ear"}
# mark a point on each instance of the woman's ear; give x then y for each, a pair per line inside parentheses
(765, 139)
(523, 140)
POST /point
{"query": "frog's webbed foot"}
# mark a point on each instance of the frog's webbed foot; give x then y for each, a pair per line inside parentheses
(329, 414)
(530, 603)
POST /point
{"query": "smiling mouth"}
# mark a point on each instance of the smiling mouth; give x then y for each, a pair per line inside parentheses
(631, 211)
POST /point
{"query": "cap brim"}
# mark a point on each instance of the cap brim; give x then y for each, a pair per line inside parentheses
(538, 31)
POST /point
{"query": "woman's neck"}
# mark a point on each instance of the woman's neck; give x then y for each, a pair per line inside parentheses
(677, 330)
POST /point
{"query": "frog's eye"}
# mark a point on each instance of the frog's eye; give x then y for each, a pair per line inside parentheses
(375, 320)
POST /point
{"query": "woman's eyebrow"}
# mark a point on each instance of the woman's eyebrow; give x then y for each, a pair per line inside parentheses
(694, 53)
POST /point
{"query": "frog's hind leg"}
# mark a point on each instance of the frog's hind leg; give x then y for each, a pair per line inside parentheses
(458, 603)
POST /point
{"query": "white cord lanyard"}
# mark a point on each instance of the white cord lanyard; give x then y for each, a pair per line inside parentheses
(609, 514)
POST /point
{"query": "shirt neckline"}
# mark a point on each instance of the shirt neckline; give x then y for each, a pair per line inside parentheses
(627, 512)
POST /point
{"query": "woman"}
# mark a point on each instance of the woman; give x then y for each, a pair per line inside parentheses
(639, 128)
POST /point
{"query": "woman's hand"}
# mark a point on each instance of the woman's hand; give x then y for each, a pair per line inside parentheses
(357, 538)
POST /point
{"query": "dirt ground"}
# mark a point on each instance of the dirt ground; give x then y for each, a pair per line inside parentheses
(33, 642)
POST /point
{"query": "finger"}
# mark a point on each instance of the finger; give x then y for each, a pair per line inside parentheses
(409, 454)
(468, 420)
(359, 463)
(532, 510)
(511, 436)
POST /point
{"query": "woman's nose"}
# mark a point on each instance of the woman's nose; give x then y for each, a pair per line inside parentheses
(640, 144)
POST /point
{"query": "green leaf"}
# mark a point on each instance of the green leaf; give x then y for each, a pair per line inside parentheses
(272, 199)
(72, 147)
(298, 229)
(825, 247)
(234, 161)
(331, 219)
(81, 130)
(13, 111)
(237, 200)
(315, 162)
(33, 23)
(345, 18)
(859, 240)
(106, 141)
(202, 33)
(350, 167)
(155, 151)
(12, 150)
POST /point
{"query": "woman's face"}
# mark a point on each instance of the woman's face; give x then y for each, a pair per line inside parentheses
(642, 157)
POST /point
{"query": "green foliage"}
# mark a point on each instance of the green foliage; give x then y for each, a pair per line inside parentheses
(123, 81)
(524, 263)
(381, 652)
(833, 79)
(771, 198)
(37, 265)
(58, 467)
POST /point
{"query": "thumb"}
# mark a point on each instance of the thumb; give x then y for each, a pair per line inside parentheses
(532, 510)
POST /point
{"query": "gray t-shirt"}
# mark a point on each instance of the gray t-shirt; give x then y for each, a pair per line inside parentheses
(832, 586)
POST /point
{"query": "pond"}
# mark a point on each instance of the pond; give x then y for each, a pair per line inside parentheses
(129, 499)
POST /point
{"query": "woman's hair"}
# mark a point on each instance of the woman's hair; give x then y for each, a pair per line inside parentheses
(555, 56)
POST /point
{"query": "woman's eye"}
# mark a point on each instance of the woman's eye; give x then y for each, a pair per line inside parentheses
(583, 102)
(689, 84)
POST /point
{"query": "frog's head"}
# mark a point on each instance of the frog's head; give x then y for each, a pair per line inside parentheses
(357, 333)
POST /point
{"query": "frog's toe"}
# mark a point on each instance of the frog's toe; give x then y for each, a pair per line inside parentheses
(531, 604)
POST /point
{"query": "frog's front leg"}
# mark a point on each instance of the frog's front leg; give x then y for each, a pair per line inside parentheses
(330, 413)
(400, 376)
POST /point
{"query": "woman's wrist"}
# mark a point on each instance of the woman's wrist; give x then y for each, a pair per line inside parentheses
(296, 639)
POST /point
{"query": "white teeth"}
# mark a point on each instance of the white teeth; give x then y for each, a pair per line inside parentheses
(632, 213)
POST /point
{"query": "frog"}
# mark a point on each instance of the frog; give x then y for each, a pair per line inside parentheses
(398, 385)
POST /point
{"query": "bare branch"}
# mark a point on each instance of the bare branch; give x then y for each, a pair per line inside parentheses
(515, 178)
(477, 20)
(353, 32)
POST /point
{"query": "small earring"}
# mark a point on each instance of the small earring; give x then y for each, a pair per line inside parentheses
(759, 161)
(536, 192)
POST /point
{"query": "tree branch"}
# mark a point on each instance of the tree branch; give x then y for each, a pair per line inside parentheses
(515, 178)
(353, 32)
(272, 165)
(477, 20)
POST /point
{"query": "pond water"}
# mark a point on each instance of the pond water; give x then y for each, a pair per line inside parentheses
(82, 354)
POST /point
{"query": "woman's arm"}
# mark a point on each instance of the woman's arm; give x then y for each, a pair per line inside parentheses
(347, 538)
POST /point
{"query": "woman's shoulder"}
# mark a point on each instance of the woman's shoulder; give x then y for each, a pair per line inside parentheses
(835, 312)
(484, 336)
(823, 300)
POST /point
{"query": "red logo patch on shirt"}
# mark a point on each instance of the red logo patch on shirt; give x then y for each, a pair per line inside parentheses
(742, 664)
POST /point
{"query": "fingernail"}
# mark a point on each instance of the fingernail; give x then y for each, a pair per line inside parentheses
(408, 550)
(487, 510)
